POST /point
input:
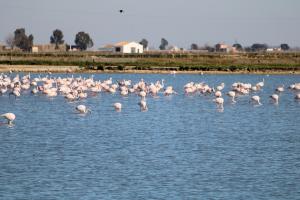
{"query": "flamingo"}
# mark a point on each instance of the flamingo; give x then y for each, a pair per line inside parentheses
(131, 90)
(70, 97)
(261, 84)
(142, 94)
(34, 91)
(52, 93)
(82, 95)
(218, 93)
(112, 90)
(3, 90)
(124, 92)
(219, 101)
(15, 92)
(143, 105)
(256, 99)
(118, 106)
(275, 97)
(9, 116)
(297, 96)
(221, 87)
(280, 88)
(255, 88)
(232, 95)
(83, 109)
(297, 86)
(169, 90)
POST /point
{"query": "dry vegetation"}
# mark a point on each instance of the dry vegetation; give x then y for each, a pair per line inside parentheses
(249, 62)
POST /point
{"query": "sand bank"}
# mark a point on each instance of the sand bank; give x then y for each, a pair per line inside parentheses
(76, 69)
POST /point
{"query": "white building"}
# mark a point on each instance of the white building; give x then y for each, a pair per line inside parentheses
(173, 48)
(124, 47)
(34, 49)
(273, 49)
(225, 48)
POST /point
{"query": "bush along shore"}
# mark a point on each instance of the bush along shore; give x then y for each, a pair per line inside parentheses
(181, 62)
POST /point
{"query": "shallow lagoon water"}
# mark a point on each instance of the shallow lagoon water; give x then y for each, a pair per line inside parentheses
(182, 148)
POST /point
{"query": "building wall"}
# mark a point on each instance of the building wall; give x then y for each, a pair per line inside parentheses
(49, 48)
(128, 48)
(34, 49)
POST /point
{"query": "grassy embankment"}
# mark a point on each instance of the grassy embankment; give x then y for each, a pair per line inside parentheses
(242, 62)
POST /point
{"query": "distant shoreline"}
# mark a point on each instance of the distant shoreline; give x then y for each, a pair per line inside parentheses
(181, 63)
(152, 63)
(76, 69)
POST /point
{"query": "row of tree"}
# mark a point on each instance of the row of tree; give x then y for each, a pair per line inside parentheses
(21, 40)
(253, 48)
(84, 41)
(163, 44)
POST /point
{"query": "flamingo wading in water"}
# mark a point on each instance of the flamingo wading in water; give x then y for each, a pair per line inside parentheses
(118, 106)
(83, 109)
(256, 99)
(10, 117)
(275, 97)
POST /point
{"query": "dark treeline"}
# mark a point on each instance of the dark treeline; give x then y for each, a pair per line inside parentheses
(83, 41)
(20, 40)
(256, 47)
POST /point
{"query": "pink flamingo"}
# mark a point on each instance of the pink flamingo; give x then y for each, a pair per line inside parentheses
(256, 99)
(9, 116)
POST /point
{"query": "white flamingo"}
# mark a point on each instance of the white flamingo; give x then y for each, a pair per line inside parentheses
(221, 87)
(275, 97)
(34, 91)
(219, 101)
(256, 99)
(118, 106)
(83, 109)
(9, 116)
(3, 90)
(232, 95)
(261, 84)
(142, 94)
(280, 88)
(143, 105)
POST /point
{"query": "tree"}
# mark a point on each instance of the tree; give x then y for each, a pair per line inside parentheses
(144, 42)
(163, 44)
(10, 41)
(209, 48)
(259, 47)
(285, 47)
(218, 47)
(194, 46)
(23, 41)
(238, 46)
(83, 40)
(248, 49)
(57, 38)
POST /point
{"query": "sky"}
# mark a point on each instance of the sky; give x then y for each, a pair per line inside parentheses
(181, 22)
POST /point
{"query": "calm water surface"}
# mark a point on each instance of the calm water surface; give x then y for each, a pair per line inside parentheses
(182, 148)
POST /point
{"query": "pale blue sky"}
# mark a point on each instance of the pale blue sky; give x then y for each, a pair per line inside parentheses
(181, 22)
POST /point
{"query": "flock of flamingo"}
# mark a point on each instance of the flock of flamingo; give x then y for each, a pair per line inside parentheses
(74, 89)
